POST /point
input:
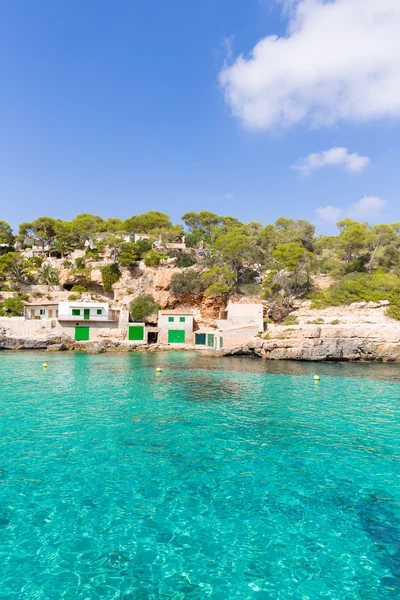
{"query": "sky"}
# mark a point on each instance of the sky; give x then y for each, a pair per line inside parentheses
(251, 108)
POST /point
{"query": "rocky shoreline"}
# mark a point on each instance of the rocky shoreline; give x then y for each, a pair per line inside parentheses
(359, 332)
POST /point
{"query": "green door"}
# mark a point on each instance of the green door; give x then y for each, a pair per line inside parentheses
(176, 336)
(200, 339)
(86, 314)
(82, 334)
(211, 340)
(136, 333)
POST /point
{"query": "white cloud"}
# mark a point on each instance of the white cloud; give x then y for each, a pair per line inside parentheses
(335, 157)
(329, 214)
(339, 60)
(369, 207)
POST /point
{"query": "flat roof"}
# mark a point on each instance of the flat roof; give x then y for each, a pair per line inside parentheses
(176, 311)
(41, 303)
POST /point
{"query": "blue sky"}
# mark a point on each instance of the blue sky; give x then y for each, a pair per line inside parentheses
(116, 108)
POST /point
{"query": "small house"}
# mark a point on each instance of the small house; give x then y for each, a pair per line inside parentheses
(175, 326)
(239, 323)
(42, 310)
(83, 319)
(239, 315)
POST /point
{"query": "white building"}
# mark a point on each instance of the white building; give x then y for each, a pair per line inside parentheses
(175, 326)
(239, 323)
(237, 315)
(86, 311)
(43, 310)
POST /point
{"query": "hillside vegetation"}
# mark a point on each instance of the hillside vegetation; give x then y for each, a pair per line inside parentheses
(222, 256)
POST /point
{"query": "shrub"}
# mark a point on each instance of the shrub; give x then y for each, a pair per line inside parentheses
(291, 320)
(394, 312)
(360, 287)
(316, 322)
(79, 288)
(144, 246)
(92, 254)
(73, 297)
(128, 254)
(185, 260)
(142, 307)
(110, 275)
(67, 264)
(80, 263)
(189, 282)
(12, 307)
(48, 275)
(335, 322)
(219, 280)
(152, 258)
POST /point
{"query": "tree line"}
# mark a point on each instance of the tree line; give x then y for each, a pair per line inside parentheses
(282, 257)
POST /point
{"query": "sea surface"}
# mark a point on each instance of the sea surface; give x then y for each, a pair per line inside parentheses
(221, 478)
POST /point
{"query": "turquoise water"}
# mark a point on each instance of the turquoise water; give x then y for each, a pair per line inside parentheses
(219, 478)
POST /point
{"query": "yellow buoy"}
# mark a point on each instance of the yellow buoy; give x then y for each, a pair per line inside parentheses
(316, 378)
(159, 370)
(45, 365)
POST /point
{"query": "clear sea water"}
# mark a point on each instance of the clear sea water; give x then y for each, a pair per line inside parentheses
(219, 478)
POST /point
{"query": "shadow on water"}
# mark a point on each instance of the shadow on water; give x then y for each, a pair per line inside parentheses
(383, 527)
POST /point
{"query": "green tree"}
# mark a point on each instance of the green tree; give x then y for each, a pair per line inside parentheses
(189, 283)
(292, 257)
(142, 307)
(86, 227)
(234, 250)
(6, 234)
(65, 240)
(152, 258)
(42, 229)
(202, 222)
(380, 235)
(48, 275)
(147, 222)
(129, 254)
(15, 268)
(219, 280)
(110, 275)
(12, 307)
(353, 238)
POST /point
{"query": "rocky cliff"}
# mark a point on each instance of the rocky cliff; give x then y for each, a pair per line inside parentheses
(360, 331)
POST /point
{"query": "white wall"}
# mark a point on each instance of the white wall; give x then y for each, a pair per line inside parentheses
(165, 325)
(41, 312)
(65, 310)
(240, 315)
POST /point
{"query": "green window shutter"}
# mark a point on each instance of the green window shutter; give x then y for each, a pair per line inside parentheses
(200, 339)
(82, 334)
(136, 333)
(76, 312)
(176, 336)
(182, 319)
(99, 311)
(86, 313)
(211, 340)
(42, 311)
(170, 319)
(221, 342)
